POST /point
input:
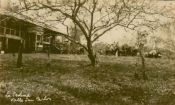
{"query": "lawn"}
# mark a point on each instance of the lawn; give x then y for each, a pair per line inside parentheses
(70, 81)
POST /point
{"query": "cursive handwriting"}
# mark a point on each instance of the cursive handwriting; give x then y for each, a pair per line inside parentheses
(45, 98)
(21, 97)
(14, 94)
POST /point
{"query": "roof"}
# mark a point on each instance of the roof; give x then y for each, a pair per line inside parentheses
(29, 20)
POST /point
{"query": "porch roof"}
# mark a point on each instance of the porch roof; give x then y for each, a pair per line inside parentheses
(29, 20)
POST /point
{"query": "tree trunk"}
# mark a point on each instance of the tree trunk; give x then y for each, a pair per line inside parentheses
(20, 51)
(143, 65)
(48, 54)
(142, 59)
(92, 58)
(91, 54)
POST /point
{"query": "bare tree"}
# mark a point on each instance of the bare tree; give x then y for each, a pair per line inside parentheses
(76, 34)
(94, 17)
(141, 42)
(20, 51)
(168, 40)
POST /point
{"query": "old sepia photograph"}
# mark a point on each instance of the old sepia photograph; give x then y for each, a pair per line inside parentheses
(87, 52)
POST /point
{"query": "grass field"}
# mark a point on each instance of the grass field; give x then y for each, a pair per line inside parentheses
(70, 81)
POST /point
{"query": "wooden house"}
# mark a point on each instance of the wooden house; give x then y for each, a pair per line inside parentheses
(15, 28)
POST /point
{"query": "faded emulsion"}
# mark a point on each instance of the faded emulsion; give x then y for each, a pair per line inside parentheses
(87, 52)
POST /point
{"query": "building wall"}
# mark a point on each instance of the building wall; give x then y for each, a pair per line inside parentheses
(13, 31)
(10, 34)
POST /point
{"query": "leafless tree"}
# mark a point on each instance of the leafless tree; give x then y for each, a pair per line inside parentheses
(169, 39)
(94, 17)
(20, 50)
(76, 35)
(141, 42)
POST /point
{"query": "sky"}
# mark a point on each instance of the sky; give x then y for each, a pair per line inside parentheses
(122, 36)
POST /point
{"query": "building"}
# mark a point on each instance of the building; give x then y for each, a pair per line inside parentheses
(15, 28)
(36, 36)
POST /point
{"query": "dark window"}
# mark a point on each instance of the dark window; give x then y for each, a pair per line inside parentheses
(1, 30)
(7, 31)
